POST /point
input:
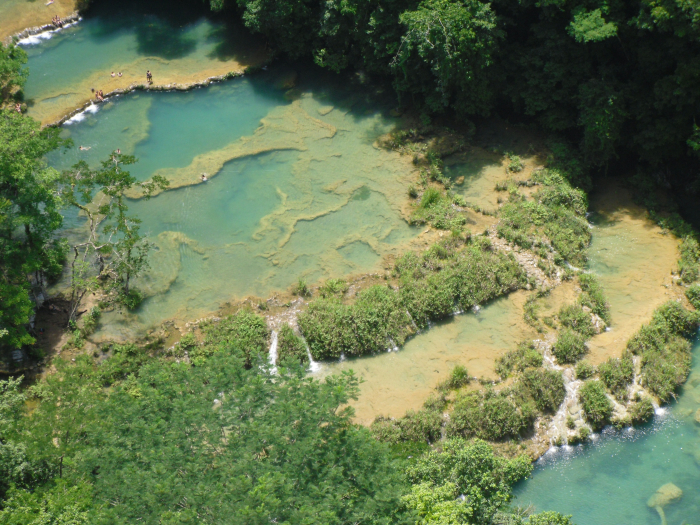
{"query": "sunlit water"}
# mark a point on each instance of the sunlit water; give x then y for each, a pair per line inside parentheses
(395, 382)
(296, 187)
(178, 47)
(610, 480)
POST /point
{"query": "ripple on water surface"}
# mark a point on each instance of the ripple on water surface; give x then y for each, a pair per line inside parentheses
(296, 188)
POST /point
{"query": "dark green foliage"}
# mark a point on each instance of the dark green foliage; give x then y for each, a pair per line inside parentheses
(585, 370)
(126, 360)
(525, 356)
(59, 502)
(546, 387)
(490, 415)
(664, 350)
(596, 405)
(290, 347)
(641, 411)
(243, 333)
(575, 317)
(283, 445)
(469, 468)
(423, 426)
(689, 263)
(593, 296)
(693, 295)
(375, 322)
(444, 53)
(617, 375)
(556, 217)
(432, 286)
(570, 346)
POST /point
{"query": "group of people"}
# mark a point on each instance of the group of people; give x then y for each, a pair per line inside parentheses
(18, 107)
(56, 21)
(116, 74)
(99, 95)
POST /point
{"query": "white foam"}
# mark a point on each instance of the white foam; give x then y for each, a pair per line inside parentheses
(79, 117)
(33, 40)
(273, 352)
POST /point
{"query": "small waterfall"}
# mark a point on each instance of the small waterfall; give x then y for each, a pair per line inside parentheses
(273, 352)
(314, 366)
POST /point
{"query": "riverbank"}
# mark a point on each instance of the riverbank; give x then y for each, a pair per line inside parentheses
(20, 19)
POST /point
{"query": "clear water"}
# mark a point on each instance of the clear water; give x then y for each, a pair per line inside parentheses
(178, 47)
(611, 479)
(296, 188)
(394, 382)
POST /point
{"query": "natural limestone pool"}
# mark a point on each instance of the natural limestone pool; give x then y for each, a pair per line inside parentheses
(297, 187)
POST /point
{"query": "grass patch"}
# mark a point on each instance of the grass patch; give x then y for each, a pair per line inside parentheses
(573, 316)
(570, 346)
(585, 370)
(436, 208)
(525, 356)
(617, 375)
(593, 297)
(596, 405)
(689, 263)
(665, 349)
(556, 216)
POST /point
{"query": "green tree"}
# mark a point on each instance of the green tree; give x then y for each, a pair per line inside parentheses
(114, 252)
(29, 218)
(12, 75)
(444, 54)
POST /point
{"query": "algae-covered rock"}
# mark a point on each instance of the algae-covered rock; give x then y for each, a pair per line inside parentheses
(664, 495)
(697, 416)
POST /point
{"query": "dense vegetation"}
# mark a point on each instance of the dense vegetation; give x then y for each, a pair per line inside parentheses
(618, 79)
(451, 275)
(137, 435)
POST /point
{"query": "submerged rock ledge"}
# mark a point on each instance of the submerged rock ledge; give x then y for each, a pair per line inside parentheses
(46, 28)
(157, 87)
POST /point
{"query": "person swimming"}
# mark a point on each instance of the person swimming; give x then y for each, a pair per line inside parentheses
(84, 148)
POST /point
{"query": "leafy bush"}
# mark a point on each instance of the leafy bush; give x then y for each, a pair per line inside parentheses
(515, 163)
(473, 469)
(575, 317)
(570, 346)
(584, 370)
(641, 411)
(689, 263)
(525, 356)
(333, 287)
(546, 387)
(693, 295)
(290, 347)
(549, 518)
(593, 296)
(596, 405)
(617, 375)
(243, 333)
(131, 300)
(490, 415)
(459, 377)
(664, 350)
(375, 322)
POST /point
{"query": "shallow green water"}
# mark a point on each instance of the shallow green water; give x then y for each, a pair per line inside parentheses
(302, 190)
